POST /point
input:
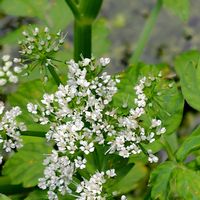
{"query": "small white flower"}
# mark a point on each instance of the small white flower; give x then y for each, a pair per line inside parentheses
(124, 153)
(47, 99)
(161, 131)
(2, 107)
(104, 61)
(1, 159)
(13, 79)
(3, 81)
(80, 163)
(123, 197)
(111, 173)
(18, 69)
(155, 123)
(17, 60)
(32, 108)
(152, 158)
(6, 58)
(87, 148)
(86, 62)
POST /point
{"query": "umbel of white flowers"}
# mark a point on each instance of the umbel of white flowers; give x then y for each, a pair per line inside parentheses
(10, 129)
(80, 117)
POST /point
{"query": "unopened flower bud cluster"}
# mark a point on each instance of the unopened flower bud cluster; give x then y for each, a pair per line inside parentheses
(39, 46)
(80, 116)
(10, 130)
(9, 70)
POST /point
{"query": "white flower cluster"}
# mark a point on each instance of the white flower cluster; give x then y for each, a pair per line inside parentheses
(39, 46)
(58, 176)
(126, 141)
(10, 129)
(9, 70)
(93, 188)
(80, 117)
(80, 102)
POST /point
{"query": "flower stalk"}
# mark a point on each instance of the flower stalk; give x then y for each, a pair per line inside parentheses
(54, 74)
(85, 12)
(82, 40)
(145, 35)
(168, 149)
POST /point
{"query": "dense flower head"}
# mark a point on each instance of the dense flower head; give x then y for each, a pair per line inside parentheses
(58, 177)
(39, 46)
(10, 129)
(81, 116)
(9, 70)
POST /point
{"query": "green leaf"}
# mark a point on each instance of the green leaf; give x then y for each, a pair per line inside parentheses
(185, 184)
(101, 42)
(181, 8)
(25, 8)
(169, 113)
(188, 69)
(7, 188)
(58, 15)
(30, 92)
(174, 181)
(36, 195)
(159, 180)
(98, 160)
(26, 166)
(191, 144)
(42, 195)
(4, 197)
(12, 37)
(54, 14)
(131, 180)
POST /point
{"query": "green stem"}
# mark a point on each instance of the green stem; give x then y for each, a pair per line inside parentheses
(168, 149)
(85, 12)
(82, 40)
(54, 74)
(73, 8)
(33, 133)
(144, 37)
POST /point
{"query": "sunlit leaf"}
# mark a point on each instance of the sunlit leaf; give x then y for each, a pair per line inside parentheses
(26, 166)
(181, 8)
(25, 8)
(4, 197)
(130, 181)
(191, 143)
(159, 180)
(101, 42)
(185, 184)
(30, 92)
(37, 194)
(54, 14)
(188, 70)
